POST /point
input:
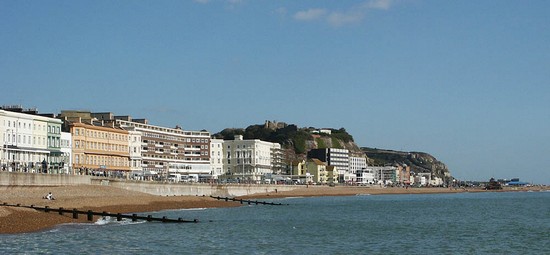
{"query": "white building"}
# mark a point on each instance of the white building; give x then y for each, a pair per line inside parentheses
(249, 160)
(134, 145)
(385, 174)
(216, 158)
(356, 164)
(29, 142)
(423, 179)
(66, 152)
(365, 176)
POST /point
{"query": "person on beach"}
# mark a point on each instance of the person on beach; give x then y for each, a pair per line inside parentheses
(49, 196)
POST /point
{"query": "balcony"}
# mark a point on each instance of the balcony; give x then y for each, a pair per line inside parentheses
(192, 149)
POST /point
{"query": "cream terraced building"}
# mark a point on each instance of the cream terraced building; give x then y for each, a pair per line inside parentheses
(30, 142)
(97, 149)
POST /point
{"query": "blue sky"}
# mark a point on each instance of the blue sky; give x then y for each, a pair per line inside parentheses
(467, 81)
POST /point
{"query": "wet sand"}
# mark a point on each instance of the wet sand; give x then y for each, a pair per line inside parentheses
(114, 200)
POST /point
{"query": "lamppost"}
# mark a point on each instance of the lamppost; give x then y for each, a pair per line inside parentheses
(242, 162)
(3, 163)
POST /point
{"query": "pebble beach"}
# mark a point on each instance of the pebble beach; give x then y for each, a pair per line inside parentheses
(84, 197)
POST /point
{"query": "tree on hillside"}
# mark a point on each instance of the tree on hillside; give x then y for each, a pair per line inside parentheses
(257, 132)
(229, 133)
(342, 134)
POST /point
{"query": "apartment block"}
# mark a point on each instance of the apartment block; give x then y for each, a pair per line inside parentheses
(332, 157)
(356, 164)
(170, 150)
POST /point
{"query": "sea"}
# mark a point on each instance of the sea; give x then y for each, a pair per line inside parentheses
(460, 223)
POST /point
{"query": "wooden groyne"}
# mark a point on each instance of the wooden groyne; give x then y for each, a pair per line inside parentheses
(90, 214)
(242, 201)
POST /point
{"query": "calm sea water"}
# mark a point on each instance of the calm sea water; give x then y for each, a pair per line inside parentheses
(466, 223)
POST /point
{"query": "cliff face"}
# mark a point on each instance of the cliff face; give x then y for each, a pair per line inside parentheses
(419, 162)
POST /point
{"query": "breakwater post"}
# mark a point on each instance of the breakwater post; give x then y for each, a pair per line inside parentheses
(90, 214)
(246, 201)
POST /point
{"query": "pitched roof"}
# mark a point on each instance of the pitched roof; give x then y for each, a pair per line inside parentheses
(317, 162)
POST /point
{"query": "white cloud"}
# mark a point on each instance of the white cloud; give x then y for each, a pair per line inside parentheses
(338, 18)
(311, 14)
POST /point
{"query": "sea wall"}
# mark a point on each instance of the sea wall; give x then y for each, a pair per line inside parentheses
(196, 189)
(35, 179)
(155, 188)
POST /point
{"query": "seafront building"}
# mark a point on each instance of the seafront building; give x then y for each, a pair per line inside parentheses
(404, 173)
(134, 145)
(250, 160)
(333, 157)
(216, 158)
(357, 163)
(30, 142)
(170, 150)
(386, 175)
(423, 179)
(365, 176)
(299, 172)
(332, 174)
(317, 170)
(66, 152)
(98, 149)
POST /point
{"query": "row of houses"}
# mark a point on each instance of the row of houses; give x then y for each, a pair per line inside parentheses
(83, 142)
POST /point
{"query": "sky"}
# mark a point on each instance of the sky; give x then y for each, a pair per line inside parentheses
(466, 81)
